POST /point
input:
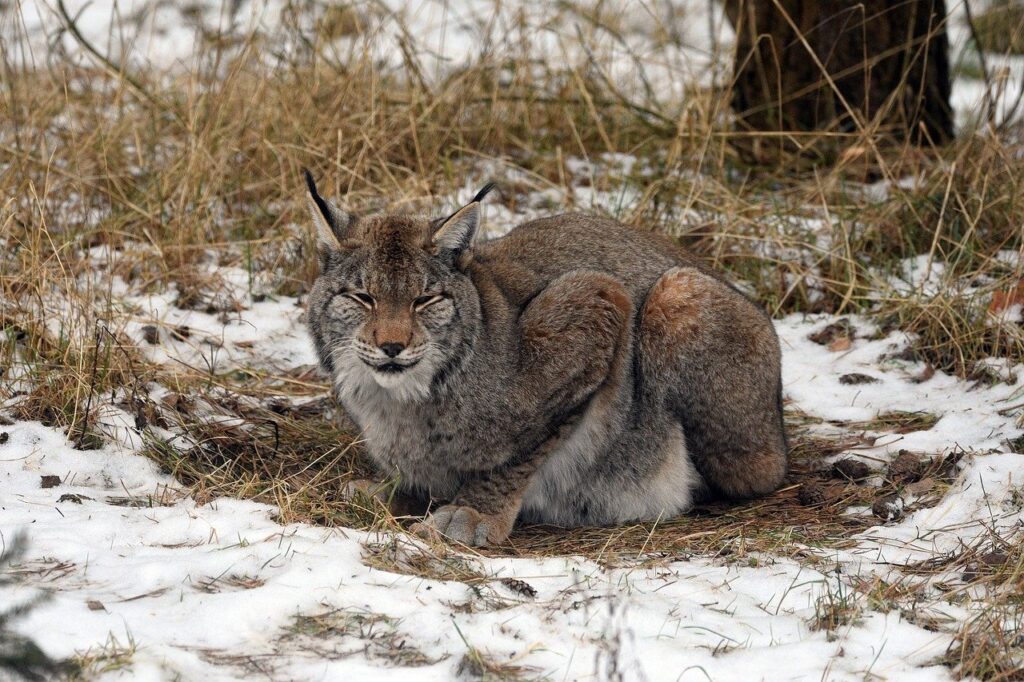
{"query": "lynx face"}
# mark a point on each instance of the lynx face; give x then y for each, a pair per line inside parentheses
(391, 309)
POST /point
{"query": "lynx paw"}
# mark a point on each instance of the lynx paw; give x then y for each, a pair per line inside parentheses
(465, 525)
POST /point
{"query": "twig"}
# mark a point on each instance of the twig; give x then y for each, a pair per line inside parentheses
(990, 109)
(670, 125)
(111, 67)
(84, 430)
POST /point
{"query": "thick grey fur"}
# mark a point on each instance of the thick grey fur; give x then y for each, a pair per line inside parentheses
(575, 371)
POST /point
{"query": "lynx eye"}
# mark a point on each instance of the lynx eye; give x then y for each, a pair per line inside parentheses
(426, 300)
(362, 298)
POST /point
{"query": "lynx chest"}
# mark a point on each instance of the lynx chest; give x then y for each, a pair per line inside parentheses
(405, 440)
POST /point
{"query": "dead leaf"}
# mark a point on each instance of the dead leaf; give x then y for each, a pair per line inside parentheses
(920, 487)
(1004, 298)
(72, 497)
(831, 332)
(856, 378)
(840, 343)
(927, 373)
(49, 481)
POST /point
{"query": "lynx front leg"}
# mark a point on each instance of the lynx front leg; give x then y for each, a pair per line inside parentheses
(486, 507)
(574, 345)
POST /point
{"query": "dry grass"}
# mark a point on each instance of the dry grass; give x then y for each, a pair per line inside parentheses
(990, 645)
(210, 159)
(338, 633)
(164, 170)
(297, 459)
(1000, 28)
(478, 665)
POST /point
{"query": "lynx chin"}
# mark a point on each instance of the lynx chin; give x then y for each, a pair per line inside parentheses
(573, 372)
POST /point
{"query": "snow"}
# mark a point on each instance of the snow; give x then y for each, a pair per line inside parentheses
(149, 567)
(216, 341)
(214, 591)
(652, 51)
(659, 41)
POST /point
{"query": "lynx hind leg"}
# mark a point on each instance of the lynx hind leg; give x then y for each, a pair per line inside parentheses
(714, 359)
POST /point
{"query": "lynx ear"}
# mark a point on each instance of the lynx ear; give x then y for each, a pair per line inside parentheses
(331, 222)
(456, 232)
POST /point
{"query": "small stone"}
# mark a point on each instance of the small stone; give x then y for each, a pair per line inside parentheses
(907, 467)
(850, 469)
(95, 605)
(150, 334)
(181, 332)
(811, 494)
(4, 437)
(841, 329)
(856, 378)
(49, 481)
(888, 507)
(72, 497)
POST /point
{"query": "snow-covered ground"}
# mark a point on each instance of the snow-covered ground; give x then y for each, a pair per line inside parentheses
(223, 591)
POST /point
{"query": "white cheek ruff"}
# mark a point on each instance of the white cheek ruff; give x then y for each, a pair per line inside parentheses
(356, 382)
(410, 385)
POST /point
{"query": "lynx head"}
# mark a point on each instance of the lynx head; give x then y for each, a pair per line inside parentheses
(392, 308)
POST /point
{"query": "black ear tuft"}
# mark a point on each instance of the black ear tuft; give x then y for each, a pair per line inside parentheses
(484, 191)
(332, 224)
(321, 204)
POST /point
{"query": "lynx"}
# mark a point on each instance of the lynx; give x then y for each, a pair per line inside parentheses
(573, 372)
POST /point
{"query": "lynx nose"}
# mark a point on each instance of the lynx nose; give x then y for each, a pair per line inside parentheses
(392, 349)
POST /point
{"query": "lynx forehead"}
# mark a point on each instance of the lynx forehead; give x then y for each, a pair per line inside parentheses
(573, 372)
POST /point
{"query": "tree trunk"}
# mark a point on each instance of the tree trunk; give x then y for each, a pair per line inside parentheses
(841, 65)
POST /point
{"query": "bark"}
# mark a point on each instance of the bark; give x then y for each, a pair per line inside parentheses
(842, 65)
